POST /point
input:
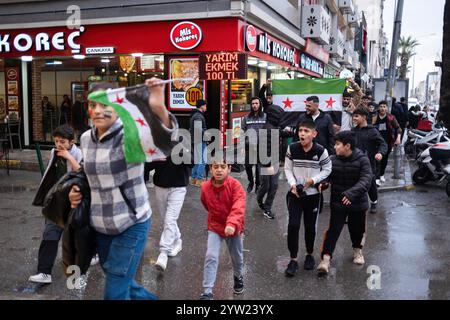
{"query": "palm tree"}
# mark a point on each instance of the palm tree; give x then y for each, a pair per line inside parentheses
(444, 110)
(406, 51)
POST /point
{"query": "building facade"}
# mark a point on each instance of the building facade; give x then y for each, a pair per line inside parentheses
(52, 49)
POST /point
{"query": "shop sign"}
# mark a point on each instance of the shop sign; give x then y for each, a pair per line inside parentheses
(99, 50)
(223, 66)
(186, 35)
(310, 64)
(250, 38)
(276, 49)
(317, 51)
(184, 94)
(13, 91)
(42, 41)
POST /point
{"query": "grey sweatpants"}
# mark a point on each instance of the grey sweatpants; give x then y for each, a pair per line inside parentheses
(212, 258)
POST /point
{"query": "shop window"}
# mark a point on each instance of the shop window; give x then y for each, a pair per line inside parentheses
(241, 94)
(2, 91)
(65, 82)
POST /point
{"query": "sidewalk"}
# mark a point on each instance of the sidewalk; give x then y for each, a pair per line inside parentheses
(404, 183)
(25, 160)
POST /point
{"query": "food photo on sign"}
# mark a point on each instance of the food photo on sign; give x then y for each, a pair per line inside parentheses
(185, 93)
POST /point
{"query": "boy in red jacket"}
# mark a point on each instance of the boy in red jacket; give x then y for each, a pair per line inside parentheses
(224, 198)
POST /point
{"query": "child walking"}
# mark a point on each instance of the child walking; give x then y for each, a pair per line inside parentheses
(306, 165)
(350, 181)
(224, 199)
(65, 157)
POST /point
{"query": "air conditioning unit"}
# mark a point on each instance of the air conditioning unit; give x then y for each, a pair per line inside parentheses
(346, 6)
(337, 44)
(347, 58)
(316, 23)
(355, 63)
(352, 20)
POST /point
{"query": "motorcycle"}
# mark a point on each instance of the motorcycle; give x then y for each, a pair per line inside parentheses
(419, 140)
(434, 165)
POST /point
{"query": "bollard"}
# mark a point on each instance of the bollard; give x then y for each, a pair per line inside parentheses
(397, 160)
(39, 156)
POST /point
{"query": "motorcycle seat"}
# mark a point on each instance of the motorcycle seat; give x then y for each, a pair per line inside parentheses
(419, 132)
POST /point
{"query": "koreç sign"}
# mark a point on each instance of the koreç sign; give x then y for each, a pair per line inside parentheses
(42, 41)
(310, 64)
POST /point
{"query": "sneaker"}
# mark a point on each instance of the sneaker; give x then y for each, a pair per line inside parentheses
(41, 278)
(269, 214)
(309, 262)
(250, 188)
(378, 182)
(291, 269)
(324, 265)
(358, 258)
(373, 207)
(95, 260)
(178, 247)
(382, 179)
(238, 287)
(199, 182)
(161, 262)
(206, 296)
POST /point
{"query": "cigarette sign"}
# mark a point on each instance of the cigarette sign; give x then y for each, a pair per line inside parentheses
(223, 66)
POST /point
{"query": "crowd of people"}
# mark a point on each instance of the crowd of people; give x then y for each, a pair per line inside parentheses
(346, 152)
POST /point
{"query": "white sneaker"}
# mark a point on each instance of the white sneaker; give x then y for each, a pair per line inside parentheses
(378, 182)
(324, 265)
(95, 260)
(161, 263)
(176, 249)
(382, 179)
(41, 278)
(150, 184)
(357, 256)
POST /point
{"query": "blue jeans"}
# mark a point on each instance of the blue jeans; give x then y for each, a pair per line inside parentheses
(198, 170)
(119, 257)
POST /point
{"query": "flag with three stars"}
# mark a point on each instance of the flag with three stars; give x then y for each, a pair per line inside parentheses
(291, 95)
(131, 105)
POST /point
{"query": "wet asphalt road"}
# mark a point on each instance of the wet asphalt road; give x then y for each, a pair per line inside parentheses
(408, 239)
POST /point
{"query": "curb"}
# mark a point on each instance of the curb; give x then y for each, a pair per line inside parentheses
(408, 183)
(20, 165)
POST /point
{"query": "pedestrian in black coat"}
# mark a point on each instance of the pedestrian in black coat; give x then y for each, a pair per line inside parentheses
(350, 179)
(369, 140)
(323, 122)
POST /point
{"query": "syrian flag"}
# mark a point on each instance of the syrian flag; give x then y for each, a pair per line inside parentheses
(291, 95)
(131, 105)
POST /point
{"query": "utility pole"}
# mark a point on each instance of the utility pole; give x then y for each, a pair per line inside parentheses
(392, 75)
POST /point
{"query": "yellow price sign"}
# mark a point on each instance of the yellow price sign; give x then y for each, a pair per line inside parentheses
(192, 95)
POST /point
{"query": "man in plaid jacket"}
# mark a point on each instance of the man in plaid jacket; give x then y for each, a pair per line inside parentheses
(120, 208)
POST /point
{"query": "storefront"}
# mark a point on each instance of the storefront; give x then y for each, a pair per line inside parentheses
(55, 62)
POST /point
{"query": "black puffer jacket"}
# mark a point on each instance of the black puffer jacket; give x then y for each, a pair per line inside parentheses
(78, 237)
(370, 141)
(350, 177)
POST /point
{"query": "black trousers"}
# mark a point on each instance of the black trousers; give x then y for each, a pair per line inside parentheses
(269, 186)
(308, 207)
(49, 247)
(373, 190)
(249, 166)
(356, 227)
(381, 165)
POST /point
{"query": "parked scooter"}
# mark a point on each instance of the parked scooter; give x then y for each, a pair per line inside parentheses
(434, 165)
(419, 140)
